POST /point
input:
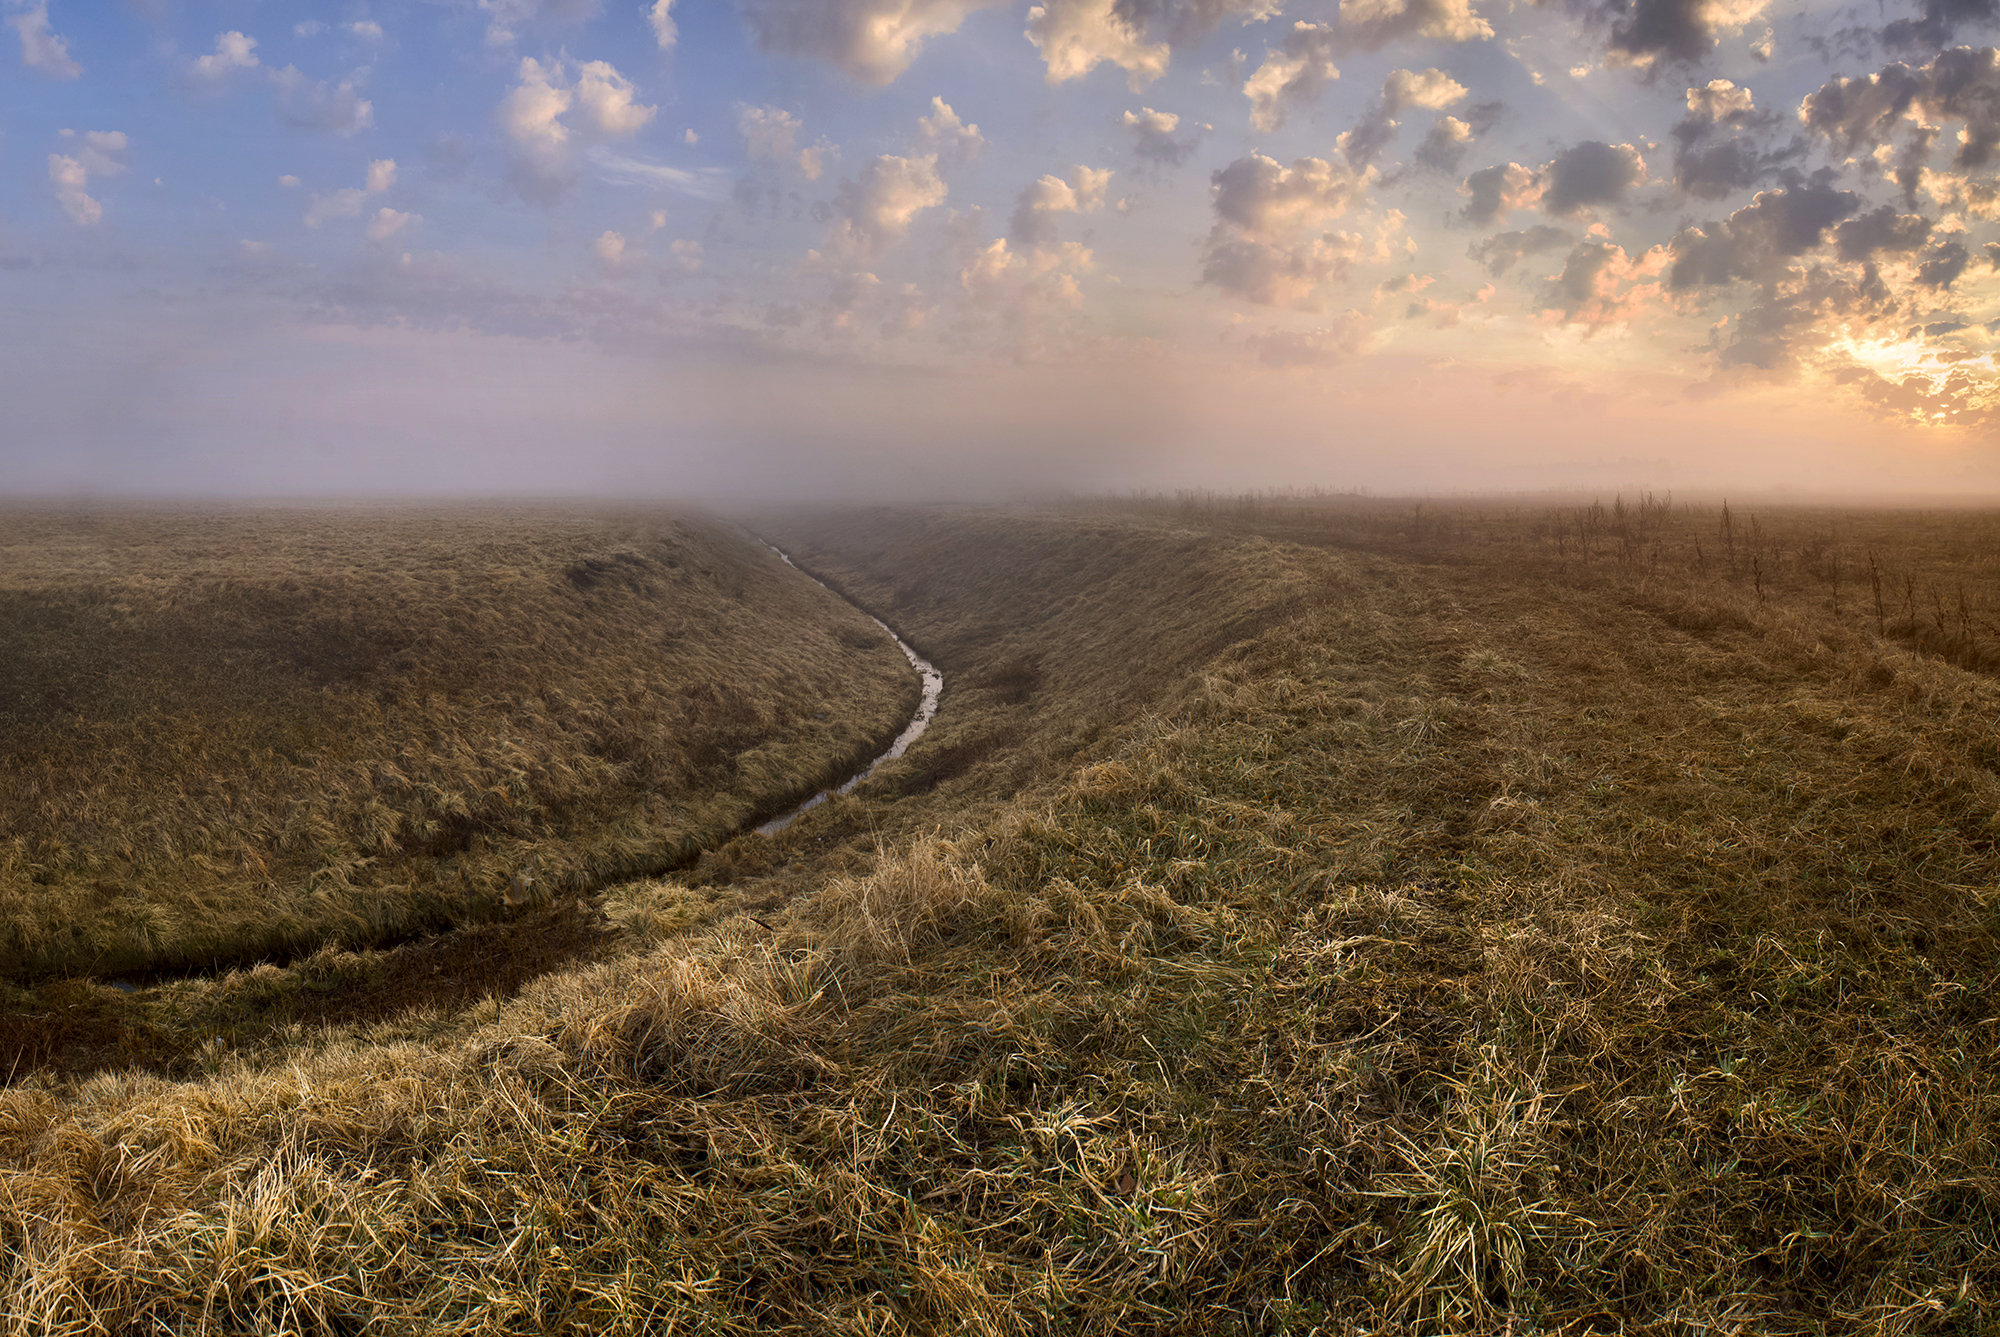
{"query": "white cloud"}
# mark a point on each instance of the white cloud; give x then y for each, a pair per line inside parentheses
(1294, 71)
(532, 112)
(689, 137)
(102, 152)
(1032, 223)
(871, 40)
(367, 30)
(607, 101)
(320, 104)
(347, 203)
(1432, 90)
(874, 211)
(665, 31)
(611, 250)
(288, 181)
(1075, 36)
(944, 136)
(308, 28)
(1298, 67)
(1154, 131)
(1138, 36)
(233, 51)
(387, 223)
(687, 254)
(70, 177)
(768, 132)
(1262, 246)
(631, 169)
(508, 17)
(1338, 342)
(42, 49)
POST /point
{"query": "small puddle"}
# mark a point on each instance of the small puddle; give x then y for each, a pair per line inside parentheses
(926, 708)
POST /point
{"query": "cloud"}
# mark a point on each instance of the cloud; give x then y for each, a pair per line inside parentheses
(1601, 285)
(665, 31)
(687, 254)
(233, 51)
(366, 30)
(1033, 223)
(1716, 148)
(1294, 71)
(1339, 342)
(1028, 304)
(1500, 253)
(1138, 36)
(1942, 265)
(1432, 90)
(69, 177)
(1262, 248)
(943, 136)
(1444, 144)
(872, 41)
(102, 152)
(612, 252)
(1759, 240)
(1961, 85)
(1589, 174)
(320, 104)
(1881, 230)
(632, 169)
(506, 18)
(607, 101)
(1938, 23)
(873, 212)
(531, 114)
(387, 223)
(1494, 192)
(42, 49)
(95, 152)
(347, 203)
(1652, 34)
(1299, 66)
(1580, 178)
(1154, 135)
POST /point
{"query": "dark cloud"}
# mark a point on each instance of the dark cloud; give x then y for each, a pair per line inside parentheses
(1939, 23)
(1496, 190)
(1962, 85)
(1758, 240)
(1718, 146)
(1580, 285)
(1882, 229)
(1943, 264)
(1444, 145)
(1653, 33)
(1589, 174)
(1502, 252)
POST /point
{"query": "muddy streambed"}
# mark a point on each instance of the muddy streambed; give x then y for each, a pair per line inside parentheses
(926, 708)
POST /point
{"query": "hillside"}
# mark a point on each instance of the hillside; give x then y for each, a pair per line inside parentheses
(1327, 917)
(231, 734)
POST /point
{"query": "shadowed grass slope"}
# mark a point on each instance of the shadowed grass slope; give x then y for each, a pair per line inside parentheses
(229, 734)
(1464, 945)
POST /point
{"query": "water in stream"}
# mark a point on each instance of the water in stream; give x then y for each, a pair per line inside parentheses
(926, 707)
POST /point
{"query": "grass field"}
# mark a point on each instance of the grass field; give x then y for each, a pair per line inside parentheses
(1306, 914)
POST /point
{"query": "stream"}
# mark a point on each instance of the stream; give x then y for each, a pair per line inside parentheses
(926, 708)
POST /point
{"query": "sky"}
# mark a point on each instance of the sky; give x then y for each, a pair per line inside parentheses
(903, 249)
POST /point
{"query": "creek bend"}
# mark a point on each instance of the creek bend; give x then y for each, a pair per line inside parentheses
(933, 686)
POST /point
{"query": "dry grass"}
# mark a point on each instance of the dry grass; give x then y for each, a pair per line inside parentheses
(1468, 938)
(224, 736)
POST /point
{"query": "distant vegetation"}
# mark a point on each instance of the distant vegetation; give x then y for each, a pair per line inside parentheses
(226, 735)
(1306, 914)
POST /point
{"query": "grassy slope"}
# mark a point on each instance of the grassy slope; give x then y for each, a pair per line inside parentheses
(223, 735)
(1481, 939)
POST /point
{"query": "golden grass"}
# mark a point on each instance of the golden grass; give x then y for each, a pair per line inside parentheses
(1445, 935)
(226, 735)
